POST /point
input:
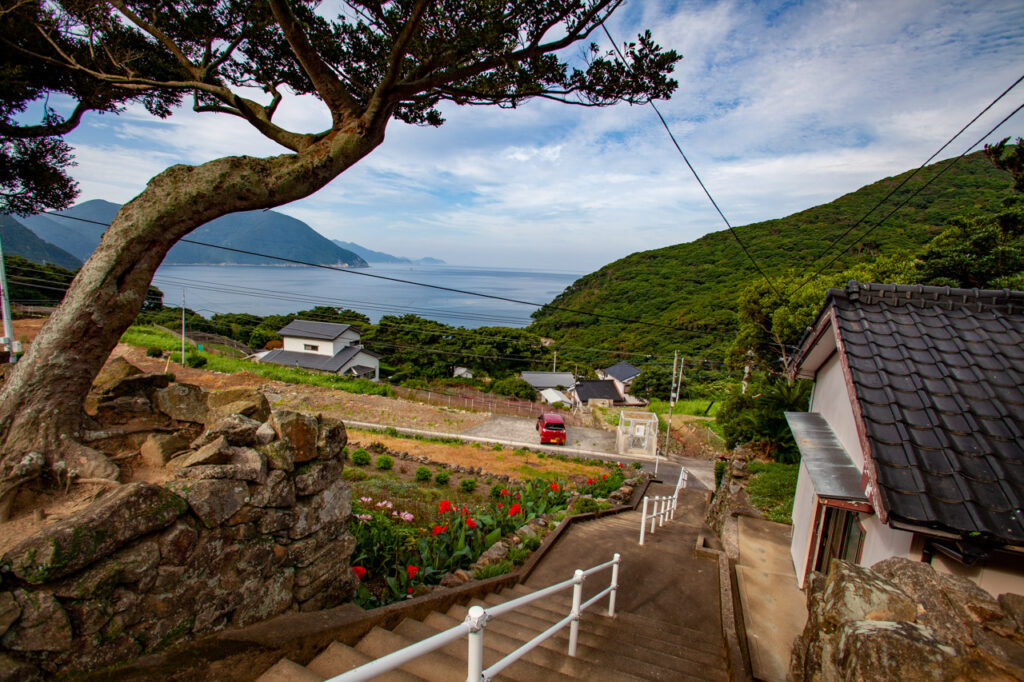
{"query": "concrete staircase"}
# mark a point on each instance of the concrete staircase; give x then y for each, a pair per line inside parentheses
(667, 624)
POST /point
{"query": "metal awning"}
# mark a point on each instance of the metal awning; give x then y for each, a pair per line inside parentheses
(833, 473)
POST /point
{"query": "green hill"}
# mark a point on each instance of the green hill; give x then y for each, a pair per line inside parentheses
(695, 286)
(19, 240)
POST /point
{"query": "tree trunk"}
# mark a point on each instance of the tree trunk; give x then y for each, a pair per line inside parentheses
(41, 401)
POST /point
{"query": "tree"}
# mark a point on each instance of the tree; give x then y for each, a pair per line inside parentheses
(654, 382)
(378, 62)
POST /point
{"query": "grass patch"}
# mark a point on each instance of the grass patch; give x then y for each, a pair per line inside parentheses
(148, 336)
(772, 488)
(696, 407)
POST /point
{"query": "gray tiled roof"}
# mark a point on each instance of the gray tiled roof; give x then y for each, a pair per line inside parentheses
(542, 380)
(939, 377)
(308, 329)
(623, 371)
(597, 390)
(323, 363)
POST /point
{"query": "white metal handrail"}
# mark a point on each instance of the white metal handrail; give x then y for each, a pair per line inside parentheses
(476, 622)
(664, 507)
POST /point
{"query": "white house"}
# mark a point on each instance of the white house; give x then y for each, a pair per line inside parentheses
(325, 347)
(914, 442)
(622, 374)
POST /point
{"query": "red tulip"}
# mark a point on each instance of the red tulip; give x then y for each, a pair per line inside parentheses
(412, 571)
(470, 523)
(500, 505)
(359, 571)
(446, 506)
(554, 486)
(514, 509)
(504, 492)
(439, 529)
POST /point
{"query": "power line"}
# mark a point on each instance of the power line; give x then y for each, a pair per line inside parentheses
(913, 174)
(695, 174)
(495, 297)
(903, 203)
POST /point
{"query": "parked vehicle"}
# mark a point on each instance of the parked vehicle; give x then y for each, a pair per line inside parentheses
(551, 428)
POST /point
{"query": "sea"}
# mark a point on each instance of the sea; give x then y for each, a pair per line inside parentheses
(373, 291)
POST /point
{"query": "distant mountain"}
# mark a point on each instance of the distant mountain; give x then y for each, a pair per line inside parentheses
(371, 256)
(269, 232)
(19, 240)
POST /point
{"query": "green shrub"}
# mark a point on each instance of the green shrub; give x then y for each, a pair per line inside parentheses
(384, 462)
(638, 465)
(493, 570)
(350, 474)
(441, 477)
(514, 387)
(467, 485)
(495, 493)
(531, 543)
(423, 474)
(720, 466)
(195, 361)
(154, 352)
(517, 555)
(586, 505)
(361, 457)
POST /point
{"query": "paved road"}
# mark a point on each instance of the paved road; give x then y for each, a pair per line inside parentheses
(524, 430)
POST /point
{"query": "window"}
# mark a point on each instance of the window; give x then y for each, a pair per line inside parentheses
(310, 346)
(842, 538)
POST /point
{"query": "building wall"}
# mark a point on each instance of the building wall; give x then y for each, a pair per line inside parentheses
(833, 401)
(366, 360)
(328, 348)
(804, 508)
(1001, 574)
(882, 542)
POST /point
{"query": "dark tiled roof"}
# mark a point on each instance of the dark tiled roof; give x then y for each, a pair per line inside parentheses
(323, 363)
(622, 371)
(939, 376)
(308, 329)
(599, 390)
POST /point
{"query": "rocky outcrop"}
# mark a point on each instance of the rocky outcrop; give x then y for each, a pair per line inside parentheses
(232, 540)
(901, 619)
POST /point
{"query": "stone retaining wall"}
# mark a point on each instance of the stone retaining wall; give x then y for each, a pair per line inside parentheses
(253, 524)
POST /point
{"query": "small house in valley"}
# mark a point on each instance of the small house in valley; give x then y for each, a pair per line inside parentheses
(622, 374)
(914, 442)
(325, 347)
(601, 393)
(542, 380)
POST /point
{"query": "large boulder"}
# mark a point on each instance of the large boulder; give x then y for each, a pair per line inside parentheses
(112, 373)
(331, 439)
(888, 650)
(105, 526)
(213, 501)
(159, 448)
(183, 402)
(298, 430)
(236, 428)
(43, 625)
(248, 402)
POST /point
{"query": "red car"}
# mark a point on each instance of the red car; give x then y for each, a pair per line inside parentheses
(552, 429)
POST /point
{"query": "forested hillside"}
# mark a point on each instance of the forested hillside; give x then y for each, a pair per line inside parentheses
(696, 286)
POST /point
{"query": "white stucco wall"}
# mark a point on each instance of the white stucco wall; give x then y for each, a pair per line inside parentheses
(803, 518)
(366, 360)
(328, 348)
(882, 542)
(997, 576)
(832, 400)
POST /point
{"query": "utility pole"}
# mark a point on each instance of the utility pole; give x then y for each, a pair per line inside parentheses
(183, 326)
(671, 404)
(554, 363)
(13, 347)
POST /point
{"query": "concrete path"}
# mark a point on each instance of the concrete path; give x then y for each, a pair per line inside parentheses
(662, 580)
(523, 430)
(774, 608)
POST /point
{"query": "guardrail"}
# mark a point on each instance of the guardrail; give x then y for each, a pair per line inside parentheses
(664, 506)
(476, 623)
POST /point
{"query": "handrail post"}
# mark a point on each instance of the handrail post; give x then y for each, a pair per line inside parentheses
(661, 512)
(615, 582)
(654, 515)
(672, 509)
(643, 521)
(577, 599)
(477, 619)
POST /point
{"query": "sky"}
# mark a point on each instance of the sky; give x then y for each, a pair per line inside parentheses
(781, 106)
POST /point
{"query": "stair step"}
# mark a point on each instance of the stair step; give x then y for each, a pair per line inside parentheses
(520, 671)
(559, 607)
(288, 671)
(338, 658)
(433, 667)
(573, 667)
(647, 663)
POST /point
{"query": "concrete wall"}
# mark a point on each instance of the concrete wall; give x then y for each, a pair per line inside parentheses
(324, 347)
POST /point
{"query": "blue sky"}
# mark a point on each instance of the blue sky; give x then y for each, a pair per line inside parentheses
(781, 106)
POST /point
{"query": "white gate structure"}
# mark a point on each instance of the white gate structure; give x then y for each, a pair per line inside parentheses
(637, 433)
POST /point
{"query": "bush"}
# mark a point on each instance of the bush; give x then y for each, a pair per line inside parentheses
(468, 485)
(586, 505)
(513, 387)
(638, 465)
(423, 474)
(384, 462)
(154, 352)
(441, 477)
(361, 457)
(720, 466)
(493, 570)
(495, 493)
(517, 555)
(350, 474)
(195, 361)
